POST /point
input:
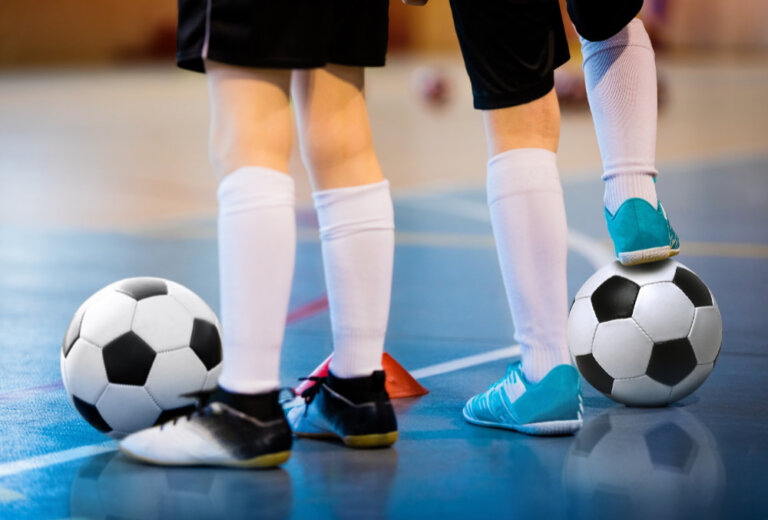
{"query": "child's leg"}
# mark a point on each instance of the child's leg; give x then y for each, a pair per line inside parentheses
(512, 82)
(528, 215)
(620, 74)
(525, 199)
(250, 146)
(354, 210)
(242, 423)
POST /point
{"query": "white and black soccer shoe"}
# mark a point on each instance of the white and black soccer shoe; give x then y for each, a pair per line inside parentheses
(227, 429)
(357, 411)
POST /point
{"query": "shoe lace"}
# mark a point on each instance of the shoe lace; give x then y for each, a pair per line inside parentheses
(201, 403)
(310, 393)
(291, 395)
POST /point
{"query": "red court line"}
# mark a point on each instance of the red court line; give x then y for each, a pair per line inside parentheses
(308, 309)
(17, 395)
(300, 313)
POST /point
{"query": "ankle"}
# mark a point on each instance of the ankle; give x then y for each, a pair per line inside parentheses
(264, 406)
(620, 188)
(358, 389)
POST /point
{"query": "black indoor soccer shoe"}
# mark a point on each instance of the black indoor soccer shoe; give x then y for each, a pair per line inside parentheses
(357, 411)
(237, 430)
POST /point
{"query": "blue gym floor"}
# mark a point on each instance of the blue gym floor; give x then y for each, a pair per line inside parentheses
(705, 457)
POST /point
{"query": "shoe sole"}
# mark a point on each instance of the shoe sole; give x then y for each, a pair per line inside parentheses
(541, 428)
(371, 440)
(270, 460)
(645, 256)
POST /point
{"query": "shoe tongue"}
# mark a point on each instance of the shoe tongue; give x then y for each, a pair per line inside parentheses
(359, 389)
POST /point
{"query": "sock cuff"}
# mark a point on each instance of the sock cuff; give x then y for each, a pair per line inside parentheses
(633, 34)
(324, 198)
(620, 188)
(255, 187)
(522, 157)
(537, 362)
(628, 169)
(346, 211)
(522, 170)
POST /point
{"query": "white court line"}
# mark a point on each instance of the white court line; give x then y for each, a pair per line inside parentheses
(8, 495)
(59, 457)
(592, 250)
(466, 362)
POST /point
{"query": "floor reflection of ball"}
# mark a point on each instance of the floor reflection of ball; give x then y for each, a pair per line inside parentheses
(660, 464)
(431, 85)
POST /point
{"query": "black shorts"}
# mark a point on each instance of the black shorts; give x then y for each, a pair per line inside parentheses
(292, 34)
(511, 48)
(598, 20)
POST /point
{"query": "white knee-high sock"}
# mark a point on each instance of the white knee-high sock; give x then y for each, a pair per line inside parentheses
(620, 75)
(525, 198)
(358, 241)
(257, 246)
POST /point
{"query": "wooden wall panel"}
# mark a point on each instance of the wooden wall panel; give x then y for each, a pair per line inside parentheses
(43, 32)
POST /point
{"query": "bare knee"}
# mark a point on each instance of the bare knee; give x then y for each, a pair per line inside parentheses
(532, 125)
(231, 148)
(343, 158)
(334, 130)
(250, 118)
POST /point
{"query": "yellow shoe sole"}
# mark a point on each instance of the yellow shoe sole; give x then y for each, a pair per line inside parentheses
(372, 440)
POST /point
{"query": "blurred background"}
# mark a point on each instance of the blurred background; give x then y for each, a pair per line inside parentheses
(98, 129)
(76, 32)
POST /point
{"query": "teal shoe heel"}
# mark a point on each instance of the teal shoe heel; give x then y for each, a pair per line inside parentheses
(641, 233)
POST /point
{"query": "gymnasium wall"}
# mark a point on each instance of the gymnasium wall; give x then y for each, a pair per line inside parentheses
(46, 32)
(60, 32)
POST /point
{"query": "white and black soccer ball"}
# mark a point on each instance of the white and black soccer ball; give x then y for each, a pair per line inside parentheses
(133, 348)
(645, 335)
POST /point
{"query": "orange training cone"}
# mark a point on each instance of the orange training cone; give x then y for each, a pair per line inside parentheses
(399, 382)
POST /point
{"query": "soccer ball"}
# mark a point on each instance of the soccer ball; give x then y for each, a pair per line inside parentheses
(645, 335)
(133, 348)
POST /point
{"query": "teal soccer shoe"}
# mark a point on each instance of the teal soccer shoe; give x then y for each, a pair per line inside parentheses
(550, 407)
(640, 233)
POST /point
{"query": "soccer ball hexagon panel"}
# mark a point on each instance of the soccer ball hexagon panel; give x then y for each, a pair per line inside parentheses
(645, 335)
(133, 348)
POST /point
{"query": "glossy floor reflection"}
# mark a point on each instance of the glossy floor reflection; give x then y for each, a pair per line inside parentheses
(111, 486)
(638, 463)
